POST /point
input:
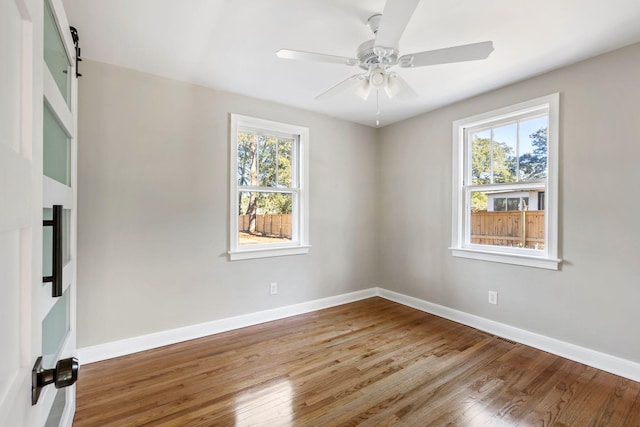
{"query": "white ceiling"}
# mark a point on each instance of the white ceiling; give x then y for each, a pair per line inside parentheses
(230, 45)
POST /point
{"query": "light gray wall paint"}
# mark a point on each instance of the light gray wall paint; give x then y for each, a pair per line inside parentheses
(153, 194)
(153, 214)
(593, 301)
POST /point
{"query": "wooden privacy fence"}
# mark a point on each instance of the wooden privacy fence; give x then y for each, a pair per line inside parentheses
(274, 225)
(523, 229)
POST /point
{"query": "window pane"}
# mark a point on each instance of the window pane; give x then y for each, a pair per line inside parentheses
(504, 152)
(265, 217)
(285, 147)
(267, 165)
(513, 204)
(533, 149)
(54, 330)
(55, 54)
(57, 410)
(247, 158)
(57, 153)
(481, 157)
(500, 227)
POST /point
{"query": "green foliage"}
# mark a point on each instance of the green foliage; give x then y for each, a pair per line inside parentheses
(496, 162)
(264, 161)
(252, 203)
(491, 164)
(534, 165)
(247, 161)
(479, 201)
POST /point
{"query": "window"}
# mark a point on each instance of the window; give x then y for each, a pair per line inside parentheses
(509, 204)
(269, 188)
(505, 185)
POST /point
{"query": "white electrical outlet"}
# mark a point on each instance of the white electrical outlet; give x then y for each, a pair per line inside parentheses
(273, 288)
(493, 297)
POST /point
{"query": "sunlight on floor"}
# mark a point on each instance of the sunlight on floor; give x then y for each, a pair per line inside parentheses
(270, 405)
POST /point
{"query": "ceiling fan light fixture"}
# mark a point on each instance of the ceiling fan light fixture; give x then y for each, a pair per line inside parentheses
(393, 87)
(378, 78)
(363, 90)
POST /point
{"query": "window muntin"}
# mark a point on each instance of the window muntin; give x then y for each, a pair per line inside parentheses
(505, 174)
(269, 188)
(511, 152)
(506, 154)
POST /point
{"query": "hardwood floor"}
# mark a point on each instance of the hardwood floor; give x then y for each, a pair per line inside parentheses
(372, 362)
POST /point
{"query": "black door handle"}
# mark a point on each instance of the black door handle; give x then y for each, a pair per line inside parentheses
(63, 375)
(56, 277)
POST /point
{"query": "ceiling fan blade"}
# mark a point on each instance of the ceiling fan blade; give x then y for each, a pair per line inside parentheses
(395, 18)
(355, 82)
(397, 87)
(467, 52)
(312, 56)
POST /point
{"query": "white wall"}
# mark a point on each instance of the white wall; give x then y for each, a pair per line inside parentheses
(593, 301)
(153, 208)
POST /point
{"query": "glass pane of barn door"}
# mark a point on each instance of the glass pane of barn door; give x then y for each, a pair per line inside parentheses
(57, 148)
(56, 55)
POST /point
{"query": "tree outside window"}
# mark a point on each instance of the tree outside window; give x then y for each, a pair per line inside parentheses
(505, 184)
(269, 187)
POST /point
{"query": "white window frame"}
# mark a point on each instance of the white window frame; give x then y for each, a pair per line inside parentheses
(460, 240)
(299, 243)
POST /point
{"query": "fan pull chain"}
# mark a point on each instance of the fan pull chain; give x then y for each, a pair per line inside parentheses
(377, 107)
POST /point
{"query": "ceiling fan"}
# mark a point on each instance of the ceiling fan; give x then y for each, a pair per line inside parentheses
(378, 55)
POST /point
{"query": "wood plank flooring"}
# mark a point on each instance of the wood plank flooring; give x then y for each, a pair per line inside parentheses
(372, 362)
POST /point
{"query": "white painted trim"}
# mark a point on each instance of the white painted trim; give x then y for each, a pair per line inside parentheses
(70, 408)
(596, 359)
(300, 232)
(56, 193)
(145, 342)
(507, 258)
(268, 252)
(60, 16)
(460, 246)
(56, 102)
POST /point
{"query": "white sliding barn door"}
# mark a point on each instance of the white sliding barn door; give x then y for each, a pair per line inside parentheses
(37, 149)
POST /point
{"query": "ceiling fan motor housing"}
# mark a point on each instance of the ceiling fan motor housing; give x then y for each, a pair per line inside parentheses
(370, 55)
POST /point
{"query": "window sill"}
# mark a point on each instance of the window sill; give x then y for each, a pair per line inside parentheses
(238, 255)
(507, 258)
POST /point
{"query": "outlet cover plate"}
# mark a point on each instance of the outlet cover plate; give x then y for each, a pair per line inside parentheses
(493, 297)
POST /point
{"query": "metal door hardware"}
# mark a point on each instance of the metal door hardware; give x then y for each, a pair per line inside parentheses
(63, 375)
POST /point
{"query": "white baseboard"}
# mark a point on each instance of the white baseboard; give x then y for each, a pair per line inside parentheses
(624, 368)
(615, 365)
(123, 347)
